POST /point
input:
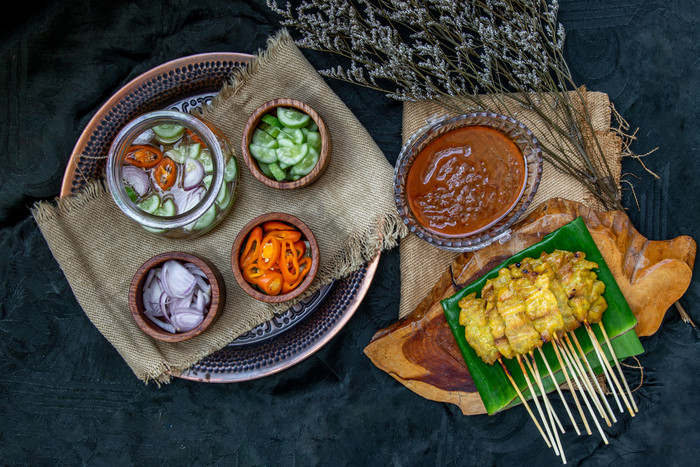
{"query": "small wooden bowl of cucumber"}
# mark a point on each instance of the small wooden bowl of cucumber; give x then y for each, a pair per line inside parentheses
(286, 144)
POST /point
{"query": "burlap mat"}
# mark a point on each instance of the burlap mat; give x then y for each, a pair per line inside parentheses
(350, 210)
(422, 263)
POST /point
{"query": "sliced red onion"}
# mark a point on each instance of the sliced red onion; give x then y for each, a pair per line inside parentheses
(177, 281)
(186, 200)
(136, 178)
(145, 137)
(186, 319)
(194, 173)
(166, 326)
(176, 296)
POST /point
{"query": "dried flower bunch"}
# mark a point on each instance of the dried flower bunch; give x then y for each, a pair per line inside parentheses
(497, 55)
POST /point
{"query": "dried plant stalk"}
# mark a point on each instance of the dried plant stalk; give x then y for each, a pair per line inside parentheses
(457, 53)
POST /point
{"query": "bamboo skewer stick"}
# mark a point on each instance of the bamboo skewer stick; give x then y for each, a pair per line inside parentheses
(580, 388)
(532, 366)
(602, 359)
(537, 404)
(573, 389)
(578, 366)
(550, 410)
(609, 371)
(619, 367)
(527, 406)
(593, 377)
(556, 385)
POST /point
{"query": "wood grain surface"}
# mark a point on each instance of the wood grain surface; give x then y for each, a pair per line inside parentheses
(420, 351)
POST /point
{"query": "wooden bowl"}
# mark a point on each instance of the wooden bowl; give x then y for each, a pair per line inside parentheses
(239, 242)
(218, 296)
(254, 121)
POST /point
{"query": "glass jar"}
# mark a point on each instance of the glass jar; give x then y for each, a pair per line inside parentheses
(192, 184)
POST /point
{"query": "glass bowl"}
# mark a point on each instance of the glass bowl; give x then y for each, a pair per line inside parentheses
(196, 149)
(499, 227)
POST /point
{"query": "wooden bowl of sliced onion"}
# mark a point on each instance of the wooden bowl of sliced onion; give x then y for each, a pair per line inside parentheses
(175, 296)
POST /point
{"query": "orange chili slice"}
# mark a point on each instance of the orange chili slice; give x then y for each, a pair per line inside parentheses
(269, 226)
(286, 235)
(252, 273)
(288, 262)
(144, 156)
(304, 268)
(300, 248)
(165, 173)
(194, 137)
(251, 250)
(269, 252)
(270, 282)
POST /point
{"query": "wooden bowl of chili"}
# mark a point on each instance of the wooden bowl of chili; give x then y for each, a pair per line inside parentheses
(182, 275)
(299, 162)
(275, 257)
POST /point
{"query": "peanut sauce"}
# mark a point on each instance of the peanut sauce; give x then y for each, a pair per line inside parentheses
(465, 181)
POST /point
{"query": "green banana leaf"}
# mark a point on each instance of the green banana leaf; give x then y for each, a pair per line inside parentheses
(491, 381)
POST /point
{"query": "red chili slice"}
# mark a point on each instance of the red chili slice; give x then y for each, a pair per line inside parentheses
(165, 173)
(143, 156)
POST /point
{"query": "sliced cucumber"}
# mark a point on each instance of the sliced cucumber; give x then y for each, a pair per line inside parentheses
(286, 142)
(292, 155)
(166, 209)
(179, 155)
(263, 154)
(168, 132)
(270, 129)
(205, 158)
(294, 134)
(314, 139)
(265, 168)
(150, 204)
(225, 200)
(206, 220)
(263, 139)
(292, 118)
(312, 126)
(222, 193)
(271, 120)
(193, 150)
(231, 169)
(307, 164)
(207, 181)
(277, 172)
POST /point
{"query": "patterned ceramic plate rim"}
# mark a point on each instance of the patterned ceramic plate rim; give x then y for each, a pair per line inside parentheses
(277, 349)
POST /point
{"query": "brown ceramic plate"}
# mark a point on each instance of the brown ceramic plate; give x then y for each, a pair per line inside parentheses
(288, 338)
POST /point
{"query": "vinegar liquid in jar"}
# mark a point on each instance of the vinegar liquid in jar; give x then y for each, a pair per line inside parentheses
(465, 181)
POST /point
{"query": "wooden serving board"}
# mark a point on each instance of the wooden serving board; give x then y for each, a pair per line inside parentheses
(420, 351)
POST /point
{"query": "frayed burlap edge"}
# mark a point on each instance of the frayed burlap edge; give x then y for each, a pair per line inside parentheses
(240, 75)
(46, 210)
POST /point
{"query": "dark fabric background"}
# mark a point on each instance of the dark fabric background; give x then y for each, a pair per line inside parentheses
(67, 398)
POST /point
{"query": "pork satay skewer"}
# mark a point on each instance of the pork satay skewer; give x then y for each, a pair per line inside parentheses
(619, 367)
(553, 418)
(582, 357)
(609, 371)
(573, 389)
(583, 377)
(548, 406)
(524, 401)
(556, 386)
(609, 376)
(532, 366)
(537, 404)
(559, 347)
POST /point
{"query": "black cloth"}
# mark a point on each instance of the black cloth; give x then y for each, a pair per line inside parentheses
(67, 398)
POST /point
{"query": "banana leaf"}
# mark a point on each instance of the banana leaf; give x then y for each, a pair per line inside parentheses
(491, 381)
